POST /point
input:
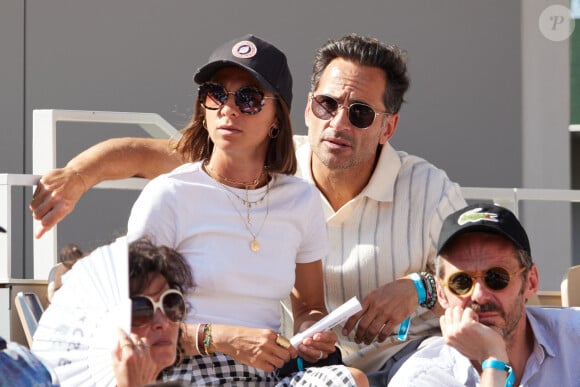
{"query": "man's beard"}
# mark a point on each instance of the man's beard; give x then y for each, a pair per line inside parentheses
(511, 319)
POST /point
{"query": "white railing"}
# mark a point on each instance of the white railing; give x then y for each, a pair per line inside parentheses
(511, 197)
(7, 182)
(44, 159)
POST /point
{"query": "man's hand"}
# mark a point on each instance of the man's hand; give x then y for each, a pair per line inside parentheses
(56, 195)
(382, 310)
(462, 330)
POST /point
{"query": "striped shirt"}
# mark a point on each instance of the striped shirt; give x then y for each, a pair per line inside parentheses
(387, 231)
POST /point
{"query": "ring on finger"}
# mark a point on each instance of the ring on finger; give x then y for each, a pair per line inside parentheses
(282, 341)
(383, 327)
(320, 356)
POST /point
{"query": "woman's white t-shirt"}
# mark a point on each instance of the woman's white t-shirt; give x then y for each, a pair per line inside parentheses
(189, 211)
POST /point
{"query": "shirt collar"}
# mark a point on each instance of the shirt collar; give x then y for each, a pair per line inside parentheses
(544, 337)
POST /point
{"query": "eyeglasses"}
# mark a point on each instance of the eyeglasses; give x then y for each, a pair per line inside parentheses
(360, 114)
(143, 308)
(249, 99)
(496, 278)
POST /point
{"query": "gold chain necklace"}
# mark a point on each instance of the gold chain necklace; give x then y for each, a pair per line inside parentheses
(254, 244)
(246, 185)
(247, 202)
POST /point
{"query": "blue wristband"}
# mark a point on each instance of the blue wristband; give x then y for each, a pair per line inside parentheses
(502, 366)
(300, 363)
(418, 282)
(404, 329)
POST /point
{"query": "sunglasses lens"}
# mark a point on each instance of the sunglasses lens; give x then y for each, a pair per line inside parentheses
(212, 96)
(497, 278)
(141, 311)
(324, 107)
(174, 306)
(361, 115)
(460, 283)
(249, 100)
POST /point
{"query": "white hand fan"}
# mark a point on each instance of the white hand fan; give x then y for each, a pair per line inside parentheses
(78, 331)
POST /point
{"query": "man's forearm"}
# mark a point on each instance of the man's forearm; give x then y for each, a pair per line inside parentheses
(120, 158)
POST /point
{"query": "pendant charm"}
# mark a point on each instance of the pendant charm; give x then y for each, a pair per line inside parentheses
(254, 245)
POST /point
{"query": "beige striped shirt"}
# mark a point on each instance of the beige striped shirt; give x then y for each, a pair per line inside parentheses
(386, 232)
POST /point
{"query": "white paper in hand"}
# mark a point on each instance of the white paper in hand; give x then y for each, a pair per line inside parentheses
(337, 316)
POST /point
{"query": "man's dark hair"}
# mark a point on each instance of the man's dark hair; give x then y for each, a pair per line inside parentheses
(367, 51)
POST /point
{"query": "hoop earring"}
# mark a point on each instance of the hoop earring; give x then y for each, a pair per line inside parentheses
(274, 132)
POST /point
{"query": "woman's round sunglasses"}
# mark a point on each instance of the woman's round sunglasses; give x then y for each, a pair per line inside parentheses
(143, 308)
(249, 99)
(497, 278)
(360, 114)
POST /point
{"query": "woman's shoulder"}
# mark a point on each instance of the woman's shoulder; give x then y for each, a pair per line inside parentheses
(184, 172)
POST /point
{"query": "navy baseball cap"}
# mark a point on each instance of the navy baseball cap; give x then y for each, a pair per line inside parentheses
(263, 60)
(487, 218)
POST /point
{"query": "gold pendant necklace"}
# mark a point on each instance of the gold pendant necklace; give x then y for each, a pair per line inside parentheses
(254, 244)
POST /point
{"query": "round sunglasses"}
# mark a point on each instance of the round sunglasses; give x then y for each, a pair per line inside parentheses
(171, 303)
(462, 283)
(249, 99)
(360, 114)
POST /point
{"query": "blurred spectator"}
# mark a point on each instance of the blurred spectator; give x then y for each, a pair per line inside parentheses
(67, 257)
(19, 367)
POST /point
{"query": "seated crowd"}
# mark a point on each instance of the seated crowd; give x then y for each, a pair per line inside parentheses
(226, 203)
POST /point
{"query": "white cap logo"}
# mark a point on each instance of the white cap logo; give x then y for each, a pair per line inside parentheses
(244, 49)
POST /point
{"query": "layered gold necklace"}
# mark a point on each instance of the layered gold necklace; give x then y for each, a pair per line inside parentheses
(254, 244)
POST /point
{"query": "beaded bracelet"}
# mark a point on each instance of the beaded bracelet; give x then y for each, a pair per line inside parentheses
(430, 290)
(207, 339)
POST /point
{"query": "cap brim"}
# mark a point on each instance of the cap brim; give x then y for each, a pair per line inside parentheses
(205, 73)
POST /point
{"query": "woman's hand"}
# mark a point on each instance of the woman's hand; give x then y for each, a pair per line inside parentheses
(132, 362)
(317, 347)
(251, 346)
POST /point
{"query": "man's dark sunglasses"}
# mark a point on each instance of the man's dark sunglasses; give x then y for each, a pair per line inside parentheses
(360, 114)
(496, 278)
(249, 99)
